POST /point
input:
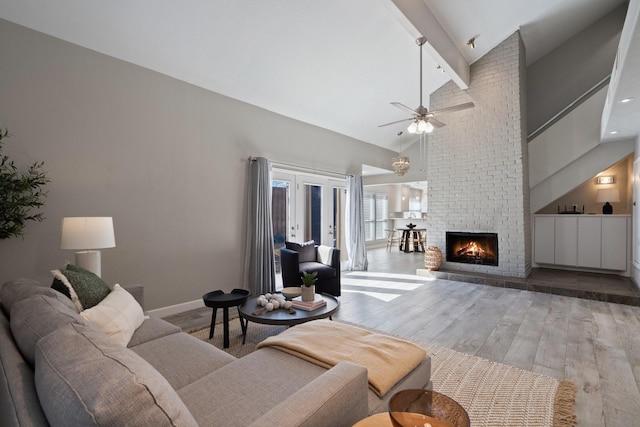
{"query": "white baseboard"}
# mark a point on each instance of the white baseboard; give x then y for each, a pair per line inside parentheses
(177, 308)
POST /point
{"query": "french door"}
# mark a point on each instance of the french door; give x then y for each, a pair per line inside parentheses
(308, 208)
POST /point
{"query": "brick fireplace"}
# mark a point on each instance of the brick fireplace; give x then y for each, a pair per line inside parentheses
(477, 165)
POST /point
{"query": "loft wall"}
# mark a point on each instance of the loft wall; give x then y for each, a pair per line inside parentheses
(561, 76)
(166, 159)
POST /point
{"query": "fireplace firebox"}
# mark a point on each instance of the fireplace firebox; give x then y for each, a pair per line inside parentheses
(472, 248)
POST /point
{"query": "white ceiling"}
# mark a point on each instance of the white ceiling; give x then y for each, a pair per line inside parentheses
(331, 63)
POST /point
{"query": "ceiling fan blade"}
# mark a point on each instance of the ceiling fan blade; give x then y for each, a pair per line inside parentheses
(397, 121)
(403, 107)
(435, 122)
(453, 108)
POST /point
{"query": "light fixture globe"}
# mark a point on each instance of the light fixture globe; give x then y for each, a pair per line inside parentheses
(422, 126)
(400, 165)
(413, 127)
(429, 127)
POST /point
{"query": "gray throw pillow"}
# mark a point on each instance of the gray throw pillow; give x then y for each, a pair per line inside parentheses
(84, 378)
(306, 251)
(83, 287)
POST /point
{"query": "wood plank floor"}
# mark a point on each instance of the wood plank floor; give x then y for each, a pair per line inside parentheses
(592, 343)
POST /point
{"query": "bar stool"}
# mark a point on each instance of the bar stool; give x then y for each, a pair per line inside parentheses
(392, 238)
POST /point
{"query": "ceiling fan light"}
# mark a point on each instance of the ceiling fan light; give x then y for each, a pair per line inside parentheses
(429, 127)
(422, 126)
(413, 127)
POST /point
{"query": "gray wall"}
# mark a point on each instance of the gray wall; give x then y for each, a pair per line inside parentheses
(166, 159)
(567, 72)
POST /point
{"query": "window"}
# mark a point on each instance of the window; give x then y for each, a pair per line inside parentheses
(376, 214)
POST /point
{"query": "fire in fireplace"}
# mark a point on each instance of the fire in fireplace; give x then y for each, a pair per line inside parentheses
(472, 248)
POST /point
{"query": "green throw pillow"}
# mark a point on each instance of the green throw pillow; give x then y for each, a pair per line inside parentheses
(83, 287)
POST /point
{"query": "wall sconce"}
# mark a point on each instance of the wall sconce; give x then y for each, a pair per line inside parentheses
(604, 180)
(87, 234)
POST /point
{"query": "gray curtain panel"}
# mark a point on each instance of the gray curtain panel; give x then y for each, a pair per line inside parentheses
(260, 276)
(354, 225)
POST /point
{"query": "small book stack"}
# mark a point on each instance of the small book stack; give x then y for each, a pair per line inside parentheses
(309, 305)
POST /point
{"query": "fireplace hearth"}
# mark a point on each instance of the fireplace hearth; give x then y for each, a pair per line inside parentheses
(472, 248)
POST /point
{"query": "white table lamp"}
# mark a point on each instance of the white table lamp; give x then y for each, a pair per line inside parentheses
(87, 234)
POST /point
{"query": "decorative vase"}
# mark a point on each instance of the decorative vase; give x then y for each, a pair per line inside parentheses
(432, 258)
(308, 293)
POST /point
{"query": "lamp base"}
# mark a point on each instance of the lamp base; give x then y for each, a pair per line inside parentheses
(89, 260)
(607, 209)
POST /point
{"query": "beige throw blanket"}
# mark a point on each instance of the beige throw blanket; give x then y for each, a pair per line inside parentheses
(326, 343)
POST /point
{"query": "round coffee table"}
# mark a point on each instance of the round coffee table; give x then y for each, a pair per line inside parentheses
(282, 317)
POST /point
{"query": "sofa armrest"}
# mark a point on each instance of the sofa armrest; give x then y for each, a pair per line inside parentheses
(335, 260)
(336, 398)
(137, 291)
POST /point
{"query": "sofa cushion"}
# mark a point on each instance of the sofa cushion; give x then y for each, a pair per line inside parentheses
(18, 399)
(306, 251)
(84, 378)
(19, 289)
(118, 315)
(247, 388)
(324, 271)
(152, 328)
(181, 358)
(37, 316)
(83, 287)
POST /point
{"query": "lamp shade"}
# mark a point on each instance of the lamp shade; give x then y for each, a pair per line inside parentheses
(608, 195)
(87, 233)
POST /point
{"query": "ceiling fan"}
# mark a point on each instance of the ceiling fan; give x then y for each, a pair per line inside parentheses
(423, 121)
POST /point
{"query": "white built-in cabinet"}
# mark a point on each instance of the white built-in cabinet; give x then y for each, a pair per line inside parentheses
(588, 241)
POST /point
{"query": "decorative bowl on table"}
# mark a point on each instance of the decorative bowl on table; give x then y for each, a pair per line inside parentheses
(411, 226)
(425, 407)
(291, 292)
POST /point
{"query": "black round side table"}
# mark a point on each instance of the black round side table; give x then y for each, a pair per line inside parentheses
(219, 299)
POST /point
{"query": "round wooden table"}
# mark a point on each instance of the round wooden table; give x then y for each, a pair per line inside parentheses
(412, 235)
(219, 299)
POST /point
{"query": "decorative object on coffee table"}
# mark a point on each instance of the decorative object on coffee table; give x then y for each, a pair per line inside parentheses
(308, 285)
(415, 407)
(433, 258)
(291, 292)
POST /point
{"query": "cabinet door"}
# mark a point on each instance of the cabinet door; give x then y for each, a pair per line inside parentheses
(566, 241)
(589, 241)
(544, 240)
(614, 243)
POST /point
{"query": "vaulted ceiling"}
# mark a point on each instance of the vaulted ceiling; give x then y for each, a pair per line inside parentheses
(332, 63)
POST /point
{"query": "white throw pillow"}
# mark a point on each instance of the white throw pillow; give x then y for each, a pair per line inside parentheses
(118, 315)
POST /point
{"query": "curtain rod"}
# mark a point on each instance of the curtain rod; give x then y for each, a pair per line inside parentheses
(299, 168)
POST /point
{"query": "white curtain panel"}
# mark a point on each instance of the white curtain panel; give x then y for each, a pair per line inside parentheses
(260, 268)
(354, 225)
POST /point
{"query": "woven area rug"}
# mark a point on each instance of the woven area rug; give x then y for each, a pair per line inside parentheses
(493, 394)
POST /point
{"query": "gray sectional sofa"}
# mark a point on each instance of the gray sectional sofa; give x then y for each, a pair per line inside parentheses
(56, 368)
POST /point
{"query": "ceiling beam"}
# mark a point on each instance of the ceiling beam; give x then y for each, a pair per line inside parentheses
(417, 19)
